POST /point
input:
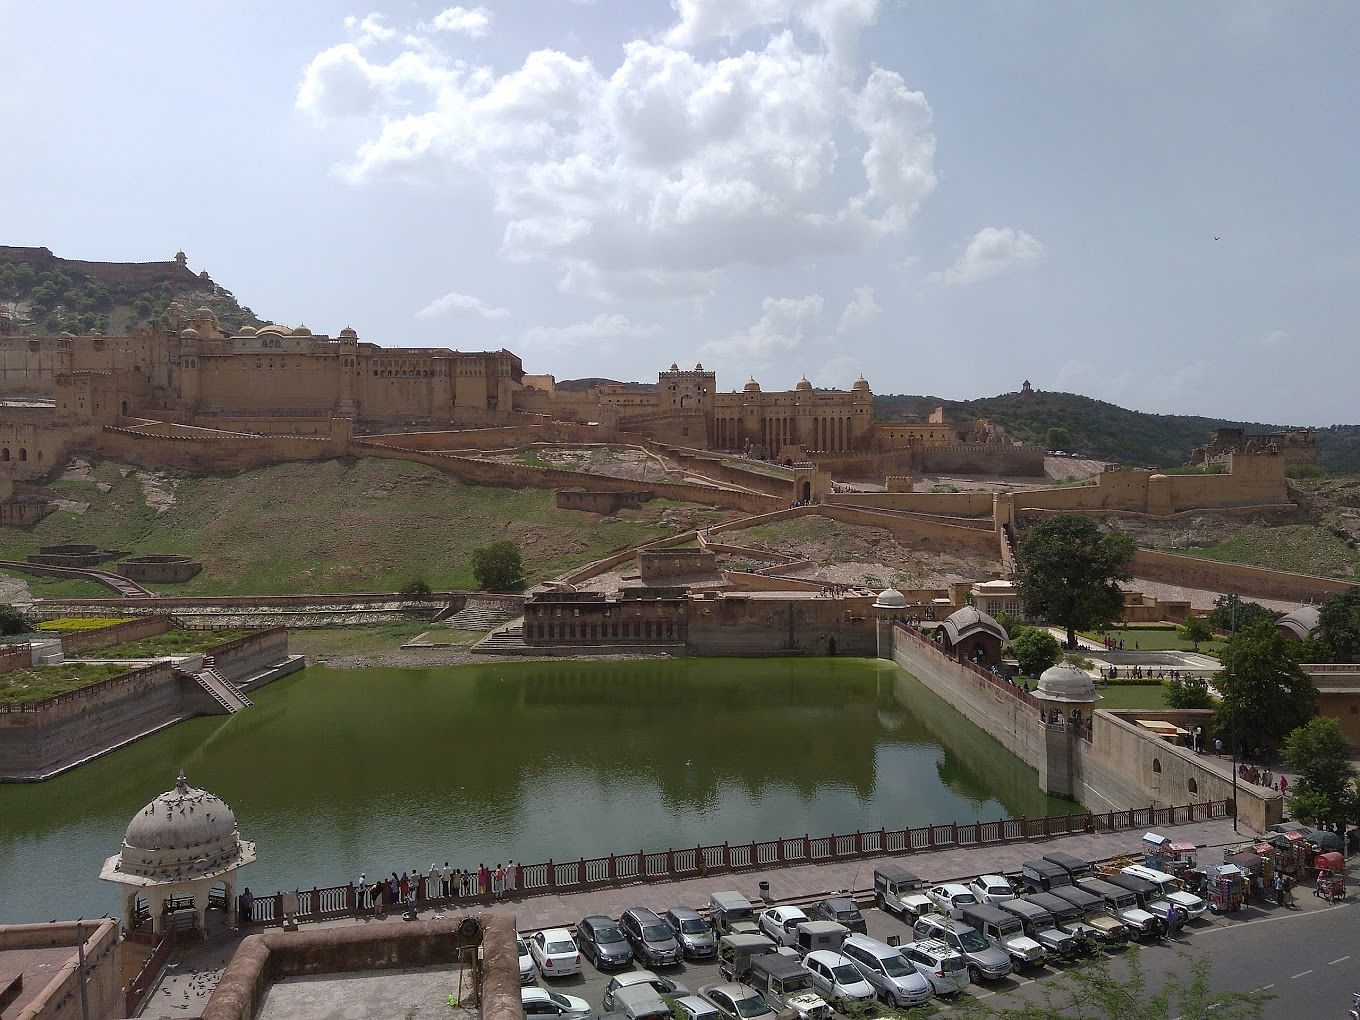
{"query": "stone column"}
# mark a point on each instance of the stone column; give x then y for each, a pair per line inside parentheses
(155, 899)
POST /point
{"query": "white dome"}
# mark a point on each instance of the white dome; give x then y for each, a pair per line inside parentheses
(188, 333)
(182, 835)
(890, 598)
(247, 331)
(1067, 683)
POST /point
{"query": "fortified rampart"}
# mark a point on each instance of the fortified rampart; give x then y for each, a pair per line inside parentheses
(59, 986)
(1120, 765)
(1234, 578)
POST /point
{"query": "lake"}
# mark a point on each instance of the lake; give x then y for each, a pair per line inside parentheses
(334, 772)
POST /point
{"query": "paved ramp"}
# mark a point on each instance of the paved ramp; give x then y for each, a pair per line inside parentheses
(222, 690)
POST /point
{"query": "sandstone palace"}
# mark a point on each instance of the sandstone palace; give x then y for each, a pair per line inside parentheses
(190, 379)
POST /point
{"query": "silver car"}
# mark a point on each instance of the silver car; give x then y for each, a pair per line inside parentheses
(694, 934)
(887, 970)
(984, 959)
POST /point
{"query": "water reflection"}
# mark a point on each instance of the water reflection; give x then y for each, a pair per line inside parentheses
(335, 772)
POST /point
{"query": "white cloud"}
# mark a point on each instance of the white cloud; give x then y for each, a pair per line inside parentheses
(860, 312)
(1275, 338)
(462, 304)
(651, 177)
(369, 29)
(474, 21)
(989, 251)
(782, 329)
(603, 331)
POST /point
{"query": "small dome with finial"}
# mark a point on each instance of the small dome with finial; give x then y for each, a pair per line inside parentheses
(751, 385)
(803, 385)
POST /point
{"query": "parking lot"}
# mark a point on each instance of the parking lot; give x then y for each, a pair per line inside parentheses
(1014, 989)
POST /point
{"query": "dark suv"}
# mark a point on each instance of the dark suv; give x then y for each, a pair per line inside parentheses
(842, 910)
(603, 942)
(653, 941)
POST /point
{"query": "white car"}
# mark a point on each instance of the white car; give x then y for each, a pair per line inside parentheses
(838, 980)
(697, 1008)
(736, 1001)
(554, 1005)
(951, 899)
(781, 924)
(945, 969)
(1172, 890)
(991, 889)
(555, 953)
(663, 986)
(526, 962)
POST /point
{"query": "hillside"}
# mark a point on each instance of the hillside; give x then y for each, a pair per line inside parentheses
(333, 526)
(1106, 431)
(42, 293)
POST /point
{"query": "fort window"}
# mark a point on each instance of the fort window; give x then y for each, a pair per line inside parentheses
(23, 453)
(4, 454)
(1157, 766)
(1192, 786)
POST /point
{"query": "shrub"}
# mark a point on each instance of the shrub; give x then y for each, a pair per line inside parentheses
(498, 567)
(1034, 649)
(417, 590)
(12, 621)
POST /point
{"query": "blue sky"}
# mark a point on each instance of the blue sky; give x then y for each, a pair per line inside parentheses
(949, 197)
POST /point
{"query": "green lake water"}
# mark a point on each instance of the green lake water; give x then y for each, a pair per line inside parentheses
(334, 772)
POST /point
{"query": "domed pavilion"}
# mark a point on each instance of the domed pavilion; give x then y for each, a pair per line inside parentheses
(179, 850)
(1063, 692)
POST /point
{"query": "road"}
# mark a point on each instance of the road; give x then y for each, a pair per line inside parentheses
(1308, 959)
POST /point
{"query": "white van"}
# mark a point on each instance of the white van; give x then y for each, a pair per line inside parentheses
(1171, 889)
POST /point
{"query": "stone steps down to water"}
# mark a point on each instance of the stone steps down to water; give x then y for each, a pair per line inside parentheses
(482, 616)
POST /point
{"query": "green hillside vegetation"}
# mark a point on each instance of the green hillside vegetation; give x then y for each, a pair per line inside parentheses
(64, 299)
(1305, 549)
(334, 526)
(1105, 431)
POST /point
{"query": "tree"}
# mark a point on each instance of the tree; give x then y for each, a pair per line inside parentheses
(1035, 649)
(1338, 629)
(498, 567)
(1324, 793)
(1058, 438)
(1094, 991)
(12, 621)
(1265, 695)
(1197, 629)
(417, 590)
(1231, 613)
(1188, 692)
(1069, 571)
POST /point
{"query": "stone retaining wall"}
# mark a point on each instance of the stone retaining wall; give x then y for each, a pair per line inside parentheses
(1234, 578)
(81, 641)
(59, 998)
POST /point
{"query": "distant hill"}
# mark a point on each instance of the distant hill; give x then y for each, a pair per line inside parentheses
(1105, 431)
(41, 293)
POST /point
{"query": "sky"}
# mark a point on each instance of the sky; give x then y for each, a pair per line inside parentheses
(1153, 203)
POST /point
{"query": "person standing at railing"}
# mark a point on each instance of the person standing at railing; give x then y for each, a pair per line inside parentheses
(445, 879)
(375, 895)
(433, 887)
(247, 906)
(510, 877)
(483, 880)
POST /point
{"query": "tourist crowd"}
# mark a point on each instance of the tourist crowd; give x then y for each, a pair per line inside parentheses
(446, 883)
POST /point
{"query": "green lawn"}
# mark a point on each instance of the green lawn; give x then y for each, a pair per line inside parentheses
(334, 642)
(1131, 696)
(41, 682)
(335, 526)
(172, 642)
(1153, 639)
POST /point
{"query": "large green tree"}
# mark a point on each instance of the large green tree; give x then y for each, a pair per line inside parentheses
(1231, 613)
(1069, 573)
(1324, 794)
(498, 567)
(1265, 696)
(1338, 630)
(1034, 649)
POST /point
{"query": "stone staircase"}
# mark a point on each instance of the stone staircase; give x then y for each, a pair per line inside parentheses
(221, 690)
(483, 614)
(508, 639)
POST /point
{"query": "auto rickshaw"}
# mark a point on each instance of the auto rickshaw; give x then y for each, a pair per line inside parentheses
(1331, 876)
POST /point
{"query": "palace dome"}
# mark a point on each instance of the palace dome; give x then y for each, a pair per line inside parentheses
(203, 312)
(188, 333)
(860, 384)
(301, 330)
(751, 386)
(964, 623)
(275, 329)
(803, 384)
(247, 331)
(890, 598)
(184, 834)
(349, 334)
(1067, 683)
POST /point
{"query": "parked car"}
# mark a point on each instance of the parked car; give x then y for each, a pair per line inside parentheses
(738, 1002)
(946, 970)
(781, 924)
(1005, 931)
(735, 953)
(842, 910)
(1040, 926)
(652, 939)
(695, 935)
(1123, 906)
(732, 913)
(991, 889)
(951, 899)
(900, 891)
(696, 1007)
(641, 1002)
(663, 986)
(814, 935)
(1043, 875)
(1074, 866)
(1096, 920)
(546, 1003)
(603, 942)
(838, 980)
(984, 959)
(555, 953)
(786, 985)
(896, 981)
(1069, 917)
(526, 962)
(1172, 889)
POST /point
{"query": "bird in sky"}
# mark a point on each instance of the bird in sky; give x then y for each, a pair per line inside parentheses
(1216, 237)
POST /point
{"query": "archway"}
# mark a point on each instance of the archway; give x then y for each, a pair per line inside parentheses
(125, 408)
(23, 453)
(4, 454)
(806, 496)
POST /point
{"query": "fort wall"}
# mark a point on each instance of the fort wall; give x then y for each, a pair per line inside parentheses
(949, 504)
(59, 995)
(1233, 578)
(116, 634)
